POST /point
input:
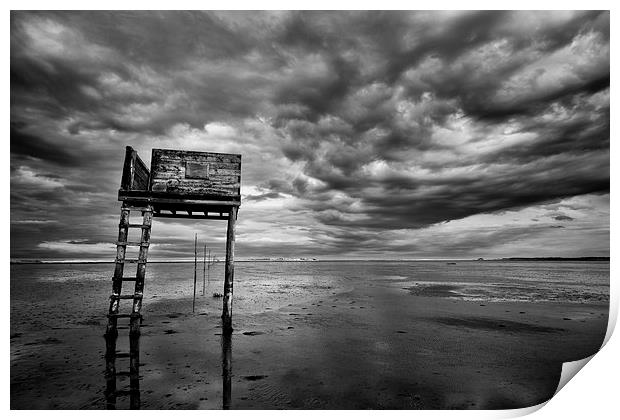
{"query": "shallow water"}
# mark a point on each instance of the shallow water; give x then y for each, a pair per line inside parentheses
(79, 291)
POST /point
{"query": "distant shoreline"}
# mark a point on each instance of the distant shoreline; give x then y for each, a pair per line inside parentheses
(542, 259)
(555, 259)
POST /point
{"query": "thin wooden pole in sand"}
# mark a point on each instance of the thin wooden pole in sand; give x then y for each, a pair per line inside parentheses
(204, 269)
(209, 264)
(195, 269)
(229, 271)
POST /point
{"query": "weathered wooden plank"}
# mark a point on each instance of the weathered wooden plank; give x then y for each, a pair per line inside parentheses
(141, 176)
(178, 163)
(187, 216)
(134, 296)
(124, 279)
(202, 191)
(198, 156)
(176, 166)
(161, 155)
(135, 173)
(213, 173)
(213, 179)
(136, 206)
(131, 243)
(136, 196)
(134, 261)
(127, 168)
(195, 188)
(159, 201)
(228, 185)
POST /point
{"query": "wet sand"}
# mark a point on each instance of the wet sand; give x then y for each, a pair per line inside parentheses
(365, 347)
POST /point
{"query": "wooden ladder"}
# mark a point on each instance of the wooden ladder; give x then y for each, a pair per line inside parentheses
(135, 319)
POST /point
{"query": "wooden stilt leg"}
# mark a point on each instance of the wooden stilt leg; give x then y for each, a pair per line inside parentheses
(229, 271)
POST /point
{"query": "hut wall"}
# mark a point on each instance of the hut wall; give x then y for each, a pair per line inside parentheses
(195, 174)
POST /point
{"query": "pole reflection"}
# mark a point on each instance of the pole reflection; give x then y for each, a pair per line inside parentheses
(226, 370)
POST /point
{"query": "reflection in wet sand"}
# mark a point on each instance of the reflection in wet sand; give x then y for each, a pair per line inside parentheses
(112, 375)
(226, 370)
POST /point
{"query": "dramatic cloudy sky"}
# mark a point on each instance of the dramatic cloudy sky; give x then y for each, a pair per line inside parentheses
(363, 135)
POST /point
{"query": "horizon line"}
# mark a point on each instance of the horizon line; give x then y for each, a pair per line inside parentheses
(303, 259)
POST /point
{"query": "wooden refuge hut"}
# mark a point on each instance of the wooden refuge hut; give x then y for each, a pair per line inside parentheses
(179, 184)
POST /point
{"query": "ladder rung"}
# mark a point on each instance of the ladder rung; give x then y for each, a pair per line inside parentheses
(134, 225)
(134, 296)
(136, 208)
(131, 243)
(122, 355)
(126, 279)
(123, 373)
(132, 315)
(127, 392)
(132, 261)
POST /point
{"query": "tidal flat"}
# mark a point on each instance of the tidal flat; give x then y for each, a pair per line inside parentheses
(312, 335)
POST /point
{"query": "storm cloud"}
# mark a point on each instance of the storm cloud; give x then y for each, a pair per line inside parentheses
(363, 134)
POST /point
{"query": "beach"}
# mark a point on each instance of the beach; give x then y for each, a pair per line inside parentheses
(315, 335)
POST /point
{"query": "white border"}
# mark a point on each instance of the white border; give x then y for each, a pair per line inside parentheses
(592, 394)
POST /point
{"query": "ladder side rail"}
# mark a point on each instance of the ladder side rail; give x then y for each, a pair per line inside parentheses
(141, 271)
(117, 280)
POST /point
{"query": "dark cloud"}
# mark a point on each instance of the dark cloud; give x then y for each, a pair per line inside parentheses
(357, 123)
(32, 146)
